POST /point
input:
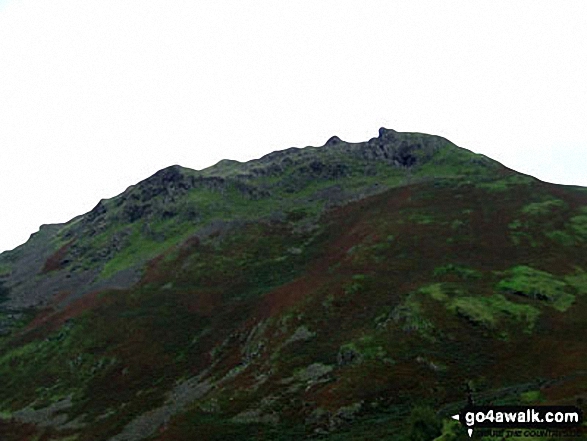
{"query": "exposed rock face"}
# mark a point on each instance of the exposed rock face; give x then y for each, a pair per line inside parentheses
(402, 150)
(399, 150)
(348, 355)
(169, 180)
(333, 141)
(140, 201)
(177, 400)
(50, 416)
(302, 333)
(97, 211)
(323, 170)
(57, 260)
(290, 153)
(156, 196)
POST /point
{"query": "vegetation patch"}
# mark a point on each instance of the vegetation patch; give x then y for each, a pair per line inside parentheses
(540, 285)
(301, 333)
(356, 285)
(543, 208)
(461, 271)
(240, 306)
(423, 424)
(574, 231)
(372, 249)
(451, 431)
(457, 224)
(531, 396)
(561, 237)
(422, 219)
(519, 233)
(435, 291)
(57, 260)
(313, 372)
(5, 269)
(578, 224)
(578, 281)
(454, 162)
(62, 356)
(3, 292)
(505, 183)
(410, 315)
(489, 310)
(364, 348)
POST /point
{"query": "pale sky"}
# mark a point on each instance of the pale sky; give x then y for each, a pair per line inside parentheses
(98, 95)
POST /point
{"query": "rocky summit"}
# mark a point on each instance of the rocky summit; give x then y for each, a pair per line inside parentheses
(352, 291)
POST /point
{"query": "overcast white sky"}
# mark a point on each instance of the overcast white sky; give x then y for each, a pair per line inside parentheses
(98, 95)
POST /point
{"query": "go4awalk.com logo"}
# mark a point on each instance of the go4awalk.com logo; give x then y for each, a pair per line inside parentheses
(530, 419)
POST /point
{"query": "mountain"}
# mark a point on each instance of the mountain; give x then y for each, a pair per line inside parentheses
(349, 291)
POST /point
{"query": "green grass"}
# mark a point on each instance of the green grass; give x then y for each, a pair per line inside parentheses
(520, 232)
(575, 230)
(355, 285)
(561, 237)
(457, 224)
(421, 219)
(411, 317)
(516, 224)
(229, 204)
(543, 208)
(578, 281)
(5, 269)
(488, 311)
(68, 364)
(371, 250)
(451, 431)
(491, 312)
(540, 285)
(451, 161)
(531, 396)
(505, 184)
(139, 250)
(223, 168)
(368, 347)
(461, 271)
(578, 224)
(518, 237)
(435, 291)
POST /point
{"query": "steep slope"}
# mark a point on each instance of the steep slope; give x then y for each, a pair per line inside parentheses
(312, 292)
(108, 246)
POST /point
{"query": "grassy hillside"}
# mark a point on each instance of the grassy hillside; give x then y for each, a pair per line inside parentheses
(283, 300)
